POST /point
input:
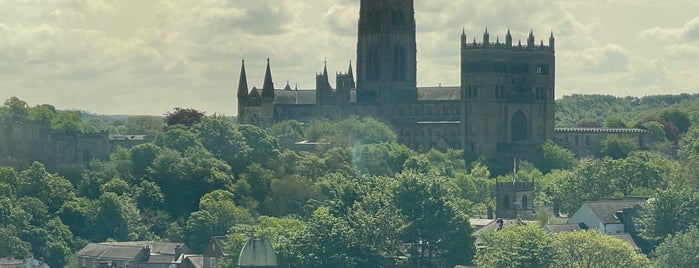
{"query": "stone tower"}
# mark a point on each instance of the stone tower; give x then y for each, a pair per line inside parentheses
(514, 200)
(508, 95)
(386, 50)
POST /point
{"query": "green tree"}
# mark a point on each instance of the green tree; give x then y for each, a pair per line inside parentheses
(53, 190)
(381, 159)
(68, 121)
(42, 113)
(554, 156)
(593, 249)
(177, 138)
(617, 147)
(322, 228)
(436, 231)
(14, 110)
(11, 245)
(679, 250)
(225, 141)
(518, 246)
(117, 217)
(667, 213)
(678, 118)
(613, 121)
(290, 129)
(216, 215)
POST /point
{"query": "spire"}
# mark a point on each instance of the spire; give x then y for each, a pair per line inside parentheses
(486, 37)
(530, 40)
(325, 68)
(463, 38)
(351, 76)
(243, 83)
(508, 38)
(268, 86)
(552, 41)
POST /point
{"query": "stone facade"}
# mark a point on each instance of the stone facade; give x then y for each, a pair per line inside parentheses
(505, 101)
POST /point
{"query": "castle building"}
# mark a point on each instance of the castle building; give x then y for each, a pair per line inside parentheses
(504, 104)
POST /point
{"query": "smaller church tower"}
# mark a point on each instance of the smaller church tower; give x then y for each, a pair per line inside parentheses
(514, 199)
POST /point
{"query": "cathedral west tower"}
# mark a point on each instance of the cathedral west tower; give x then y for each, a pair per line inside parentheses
(386, 50)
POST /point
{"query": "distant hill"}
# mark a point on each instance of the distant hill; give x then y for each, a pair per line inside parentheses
(574, 109)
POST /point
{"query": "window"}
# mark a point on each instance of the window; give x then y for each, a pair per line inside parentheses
(519, 127)
(212, 262)
(94, 263)
(84, 262)
(398, 63)
(525, 201)
(126, 264)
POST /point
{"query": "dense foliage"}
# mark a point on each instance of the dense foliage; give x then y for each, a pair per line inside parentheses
(359, 200)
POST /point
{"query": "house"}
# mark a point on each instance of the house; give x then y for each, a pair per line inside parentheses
(22, 263)
(136, 254)
(609, 216)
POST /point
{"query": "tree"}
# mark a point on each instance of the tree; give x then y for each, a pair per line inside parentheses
(216, 215)
(225, 141)
(177, 138)
(14, 110)
(42, 113)
(53, 190)
(324, 227)
(679, 250)
(68, 121)
(554, 156)
(117, 217)
(667, 213)
(678, 118)
(436, 231)
(590, 248)
(10, 245)
(614, 121)
(516, 246)
(187, 117)
(617, 147)
(381, 159)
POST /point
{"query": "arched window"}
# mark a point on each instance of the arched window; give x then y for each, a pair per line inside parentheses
(519, 125)
(525, 201)
(506, 202)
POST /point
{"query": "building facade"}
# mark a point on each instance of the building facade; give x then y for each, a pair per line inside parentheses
(505, 101)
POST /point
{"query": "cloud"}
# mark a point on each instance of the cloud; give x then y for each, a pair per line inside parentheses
(610, 58)
(688, 32)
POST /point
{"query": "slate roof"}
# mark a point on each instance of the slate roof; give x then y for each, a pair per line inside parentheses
(196, 260)
(606, 209)
(561, 228)
(107, 251)
(155, 247)
(439, 93)
(295, 97)
(627, 238)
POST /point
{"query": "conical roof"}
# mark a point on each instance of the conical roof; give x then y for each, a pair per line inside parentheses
(257, 252)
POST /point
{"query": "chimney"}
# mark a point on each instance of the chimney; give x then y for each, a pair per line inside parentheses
(178, 251)
(146, 254)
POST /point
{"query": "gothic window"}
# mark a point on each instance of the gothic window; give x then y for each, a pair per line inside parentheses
(372, 59)
(525, 201)
(398, 63)
(519, 127)
(506, 202)
(542, 69)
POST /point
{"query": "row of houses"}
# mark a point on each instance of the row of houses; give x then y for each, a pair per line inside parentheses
(614, 217)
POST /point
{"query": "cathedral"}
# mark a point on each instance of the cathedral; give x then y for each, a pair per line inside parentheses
(504, 104)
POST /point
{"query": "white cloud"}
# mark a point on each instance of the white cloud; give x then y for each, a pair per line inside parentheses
(688, 32)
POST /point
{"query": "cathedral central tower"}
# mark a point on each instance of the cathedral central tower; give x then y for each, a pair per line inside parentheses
(386, 50)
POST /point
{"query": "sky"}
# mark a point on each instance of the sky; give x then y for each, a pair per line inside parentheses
(149, 56)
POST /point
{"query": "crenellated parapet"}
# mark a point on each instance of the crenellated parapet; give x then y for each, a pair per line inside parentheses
(487, 44)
